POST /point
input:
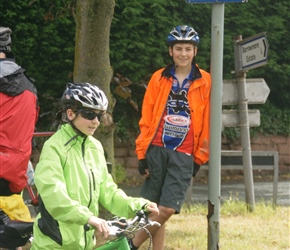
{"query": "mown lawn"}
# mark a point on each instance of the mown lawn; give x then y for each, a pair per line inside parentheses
(265, 228)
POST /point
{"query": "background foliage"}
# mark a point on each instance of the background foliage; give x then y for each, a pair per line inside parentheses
(43, 43)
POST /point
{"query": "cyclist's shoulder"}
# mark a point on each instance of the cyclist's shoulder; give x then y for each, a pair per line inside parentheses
(14, 81)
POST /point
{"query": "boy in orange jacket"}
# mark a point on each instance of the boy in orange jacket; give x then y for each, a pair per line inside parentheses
(174, 138)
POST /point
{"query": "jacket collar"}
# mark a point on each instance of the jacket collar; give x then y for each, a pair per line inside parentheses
(7, 59)
(195, 73)
(8, 67)
(72, 134)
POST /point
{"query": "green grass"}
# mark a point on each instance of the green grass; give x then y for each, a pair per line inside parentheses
(266, 228)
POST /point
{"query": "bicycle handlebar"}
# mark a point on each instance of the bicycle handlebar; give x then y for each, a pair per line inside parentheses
(121, 226)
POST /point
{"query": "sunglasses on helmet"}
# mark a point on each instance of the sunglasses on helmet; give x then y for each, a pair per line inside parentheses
(91, 115)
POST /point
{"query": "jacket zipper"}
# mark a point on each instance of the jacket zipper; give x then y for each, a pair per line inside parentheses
(93, 177)
(90, 185)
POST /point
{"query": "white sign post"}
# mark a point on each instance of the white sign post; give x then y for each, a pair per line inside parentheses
(257, 91)
(231, 118)
(249, 54)
(253, 52)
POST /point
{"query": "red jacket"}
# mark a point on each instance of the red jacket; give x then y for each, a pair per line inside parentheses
(18, 116)
(154, 104)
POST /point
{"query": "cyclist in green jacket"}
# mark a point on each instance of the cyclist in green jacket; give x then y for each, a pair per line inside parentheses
(72, 178)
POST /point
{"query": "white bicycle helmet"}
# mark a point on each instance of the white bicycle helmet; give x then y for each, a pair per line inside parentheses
(85, 95)
(5, 39)
(183, 33)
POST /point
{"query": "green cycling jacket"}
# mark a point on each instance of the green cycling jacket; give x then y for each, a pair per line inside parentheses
(72, 179)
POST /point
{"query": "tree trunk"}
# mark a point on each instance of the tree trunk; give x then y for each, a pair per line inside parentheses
(92, 61)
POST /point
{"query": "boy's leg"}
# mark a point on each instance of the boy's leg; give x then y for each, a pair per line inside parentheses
(170, 173)
(158, 238)
(158, 233)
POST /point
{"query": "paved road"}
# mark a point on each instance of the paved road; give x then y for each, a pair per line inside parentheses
(263, 192)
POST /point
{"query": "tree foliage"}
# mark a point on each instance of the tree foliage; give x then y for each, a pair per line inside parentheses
(139, 47)
(44, 43)
(256, 17)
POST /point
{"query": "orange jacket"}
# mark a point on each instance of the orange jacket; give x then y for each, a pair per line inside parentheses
(154, 104)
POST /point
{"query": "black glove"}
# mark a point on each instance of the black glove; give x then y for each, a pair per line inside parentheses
(142, 166)
(196, 167)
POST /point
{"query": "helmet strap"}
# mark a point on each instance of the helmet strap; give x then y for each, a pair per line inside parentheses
(80, 133)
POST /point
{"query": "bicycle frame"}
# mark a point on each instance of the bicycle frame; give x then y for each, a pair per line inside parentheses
(121, 244)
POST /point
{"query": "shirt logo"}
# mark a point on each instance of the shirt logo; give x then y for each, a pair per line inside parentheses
(177, 120)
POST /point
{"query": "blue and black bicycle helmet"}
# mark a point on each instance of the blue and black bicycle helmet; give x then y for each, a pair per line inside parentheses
(183, 33)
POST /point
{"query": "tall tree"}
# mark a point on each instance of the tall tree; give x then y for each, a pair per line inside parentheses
(138, 47)
(92, 64)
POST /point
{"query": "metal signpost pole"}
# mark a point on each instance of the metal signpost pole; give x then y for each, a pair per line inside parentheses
(214, 178)
(246, 142)
(249, 53)
(245, 134)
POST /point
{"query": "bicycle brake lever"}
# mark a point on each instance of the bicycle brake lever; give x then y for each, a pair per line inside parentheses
(119, 224)
(155, 223)
(114, 230)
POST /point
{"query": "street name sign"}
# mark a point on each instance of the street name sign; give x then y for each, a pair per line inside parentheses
(216, 1)
(253, 52)
(231, 118)
(257, 91)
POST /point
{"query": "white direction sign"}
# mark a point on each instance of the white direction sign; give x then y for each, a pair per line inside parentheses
(231, 118)
(257, 91)
(253, 52)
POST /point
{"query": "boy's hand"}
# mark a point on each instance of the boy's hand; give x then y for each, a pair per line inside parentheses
(143, 168)
(102, 228)
(152, 208)
(196, 167)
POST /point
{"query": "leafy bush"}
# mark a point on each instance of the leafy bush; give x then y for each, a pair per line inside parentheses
(274, 121)
(43, 42)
